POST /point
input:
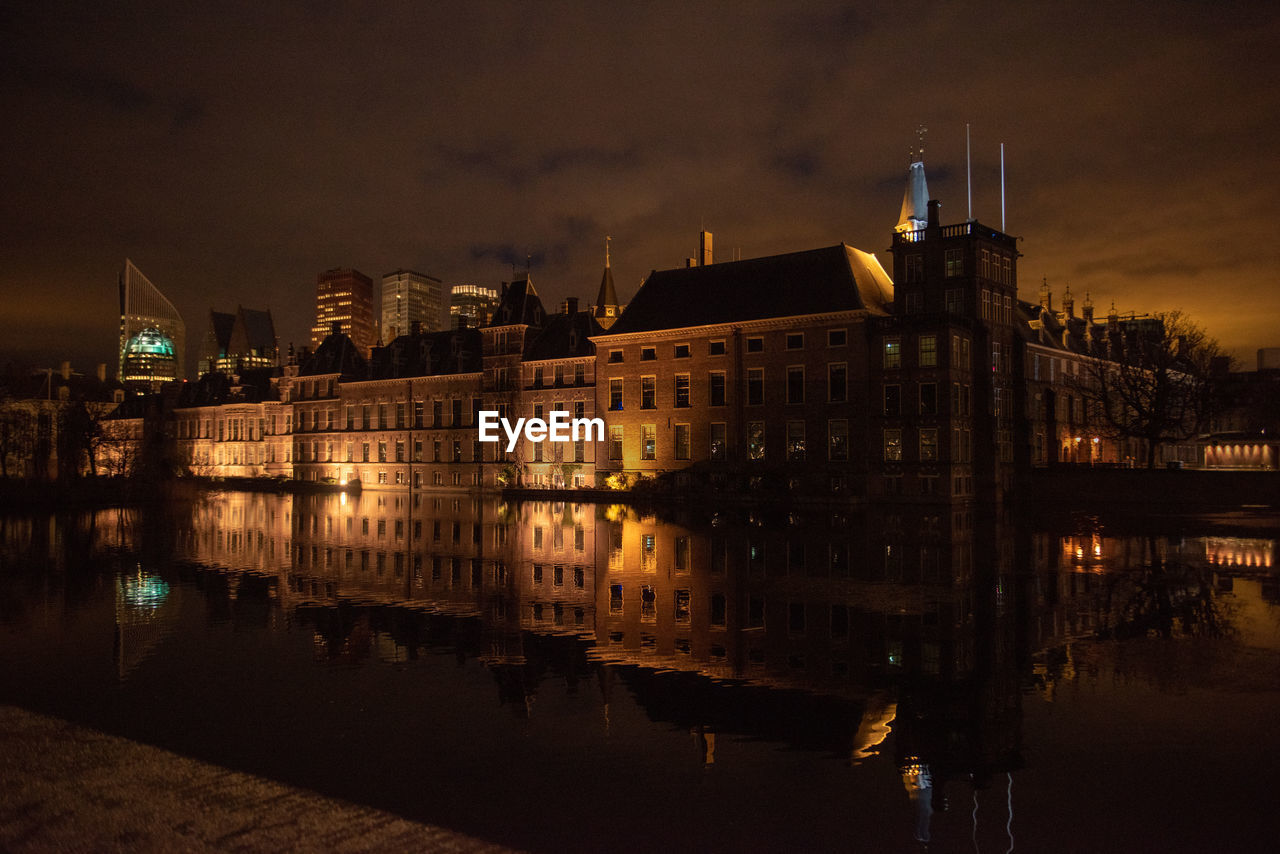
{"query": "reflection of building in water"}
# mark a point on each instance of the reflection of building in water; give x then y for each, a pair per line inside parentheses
(1242, 552)
(146, 607)
(700, 621)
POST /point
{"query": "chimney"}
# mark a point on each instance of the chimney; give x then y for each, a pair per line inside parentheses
(102, 372)
(1068, 303)
(1087, 308)
(335, 328)
(1046, 296)
(570, 305)
(704, 249)
(934, 205)
(66, 370)
(415, 328)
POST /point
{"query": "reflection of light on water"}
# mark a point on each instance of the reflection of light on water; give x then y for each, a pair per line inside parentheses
(1240, 551)
(143, 592)
(143, 617)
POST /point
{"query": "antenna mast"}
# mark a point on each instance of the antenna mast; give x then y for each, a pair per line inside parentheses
(1002, 186)
(968, 170)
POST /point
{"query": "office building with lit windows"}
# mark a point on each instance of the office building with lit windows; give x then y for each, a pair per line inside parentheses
(412, 300)
(345, 296)
(144, 309)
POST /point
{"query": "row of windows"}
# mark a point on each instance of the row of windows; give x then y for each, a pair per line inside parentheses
(558, 375)
(993, 265)
(995, 308)
(926, 352)
(231, 429)
(795, 448)
(717, 390)
(754, 344)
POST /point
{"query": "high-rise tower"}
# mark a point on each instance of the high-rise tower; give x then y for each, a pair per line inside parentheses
(143, 307)
(409, 298)
(344, 296)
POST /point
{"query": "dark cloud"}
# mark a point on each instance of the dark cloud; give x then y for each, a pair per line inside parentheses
(235, 151)
(797, 164)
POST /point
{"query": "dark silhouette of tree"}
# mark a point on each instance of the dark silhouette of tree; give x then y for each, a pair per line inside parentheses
(1155, 383)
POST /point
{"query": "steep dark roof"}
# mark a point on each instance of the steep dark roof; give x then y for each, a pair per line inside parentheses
(215, 388)
(455, 351)
(336, 355)
(221, 324)
(259, 330)
(836, 278)
(519, 305)
(608, 294)
(564, 337)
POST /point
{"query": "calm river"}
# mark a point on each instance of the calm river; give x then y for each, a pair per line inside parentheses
(580, 677)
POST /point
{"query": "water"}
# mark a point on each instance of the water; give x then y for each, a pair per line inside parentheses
(561, 677)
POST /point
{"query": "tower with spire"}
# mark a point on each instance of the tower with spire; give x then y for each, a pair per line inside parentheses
(915, 201)
(606, 309)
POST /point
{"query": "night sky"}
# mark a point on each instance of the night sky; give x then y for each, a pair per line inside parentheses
(234, 151)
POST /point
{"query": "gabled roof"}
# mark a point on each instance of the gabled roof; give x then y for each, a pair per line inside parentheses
(836, 278)
(565, 336)
(336, 355)
(519, 305)
(455, 351)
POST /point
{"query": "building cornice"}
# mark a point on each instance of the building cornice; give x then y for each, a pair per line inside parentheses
(760, 325)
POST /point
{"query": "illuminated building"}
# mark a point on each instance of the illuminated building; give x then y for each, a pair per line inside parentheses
(471, 305)
(240, 341)
(410, 298)
(345, 297)
(749, 369)
(149, 360)
(142, 307)
(1245, 433)
(558, 373)
(944, 390)
(234, 426)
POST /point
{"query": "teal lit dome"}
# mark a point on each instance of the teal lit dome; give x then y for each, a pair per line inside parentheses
(149, 357)
(150, 342)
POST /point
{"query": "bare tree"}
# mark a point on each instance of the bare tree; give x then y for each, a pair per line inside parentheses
(17, 436)
(1154, 383)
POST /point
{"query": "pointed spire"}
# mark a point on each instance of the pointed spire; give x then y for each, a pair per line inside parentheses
(606, 310)
(915, 201)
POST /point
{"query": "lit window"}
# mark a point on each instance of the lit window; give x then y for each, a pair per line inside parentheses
(838, 439)
(928, 351)
(755, 440)
(892, 353)
(892, 445)
(795, 441)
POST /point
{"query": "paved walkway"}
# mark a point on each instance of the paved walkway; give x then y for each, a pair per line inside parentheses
(67, 788)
